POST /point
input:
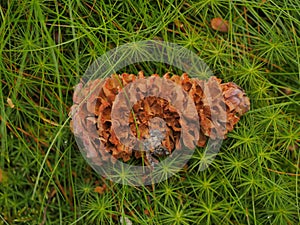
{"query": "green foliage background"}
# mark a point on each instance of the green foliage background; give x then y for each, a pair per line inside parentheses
(45, 48)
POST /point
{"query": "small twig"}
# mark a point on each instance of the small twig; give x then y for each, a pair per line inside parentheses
(91, 7)
(24, 132)
(247, 27)
(283, 173)
(57, 182)
(51, 195)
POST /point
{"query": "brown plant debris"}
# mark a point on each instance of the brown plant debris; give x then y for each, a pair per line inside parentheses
(219, 24)
(0, 176)
(219, 106)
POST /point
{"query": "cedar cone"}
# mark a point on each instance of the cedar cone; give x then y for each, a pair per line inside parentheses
(93, 102)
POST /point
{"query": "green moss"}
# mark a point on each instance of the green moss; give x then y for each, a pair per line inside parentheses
(46, 47)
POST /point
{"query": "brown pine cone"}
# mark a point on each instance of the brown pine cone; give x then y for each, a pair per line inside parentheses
(94, 100)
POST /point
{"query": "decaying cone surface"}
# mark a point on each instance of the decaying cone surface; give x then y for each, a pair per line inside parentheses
(93, 103)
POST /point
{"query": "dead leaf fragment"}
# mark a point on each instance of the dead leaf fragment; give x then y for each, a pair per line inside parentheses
(219, 24)
(146, 212)
(125, 221)
(3, 177)
(287, 91)
(100, 189)
(10, 103)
